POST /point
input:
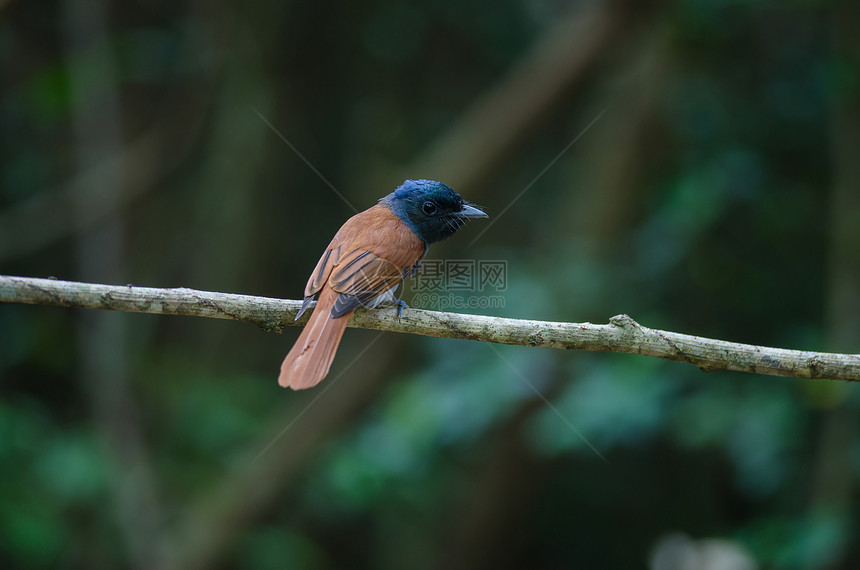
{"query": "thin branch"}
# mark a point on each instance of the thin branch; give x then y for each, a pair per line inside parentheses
(621, 334)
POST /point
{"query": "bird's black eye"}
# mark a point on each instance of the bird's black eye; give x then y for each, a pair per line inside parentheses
(429, 207)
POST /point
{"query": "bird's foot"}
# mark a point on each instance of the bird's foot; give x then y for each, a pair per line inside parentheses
(401, 304)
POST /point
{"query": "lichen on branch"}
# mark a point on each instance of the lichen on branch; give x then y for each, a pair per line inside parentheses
(621, 334)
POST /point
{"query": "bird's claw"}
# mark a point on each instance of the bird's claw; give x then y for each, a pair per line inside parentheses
(401, 304)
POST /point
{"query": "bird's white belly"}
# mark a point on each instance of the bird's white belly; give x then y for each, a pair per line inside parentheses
(387, 297)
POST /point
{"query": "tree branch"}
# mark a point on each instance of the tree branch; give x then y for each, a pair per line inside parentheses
(621, 334)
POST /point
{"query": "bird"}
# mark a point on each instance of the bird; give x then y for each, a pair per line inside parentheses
(368, 258)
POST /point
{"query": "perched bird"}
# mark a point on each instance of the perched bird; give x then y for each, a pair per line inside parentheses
(365, 262)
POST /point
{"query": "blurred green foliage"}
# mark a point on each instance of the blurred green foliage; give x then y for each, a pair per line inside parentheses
(704, 200)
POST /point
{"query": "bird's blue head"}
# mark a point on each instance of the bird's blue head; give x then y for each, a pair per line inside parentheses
(431, 209)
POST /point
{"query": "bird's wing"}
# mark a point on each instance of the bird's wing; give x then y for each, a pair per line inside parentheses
(370, 254)
(323, 269)
(361, 277)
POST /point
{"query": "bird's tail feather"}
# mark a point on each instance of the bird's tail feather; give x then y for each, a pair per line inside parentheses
(310, 358)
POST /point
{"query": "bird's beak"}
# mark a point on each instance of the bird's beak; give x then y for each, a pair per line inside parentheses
(470, 211)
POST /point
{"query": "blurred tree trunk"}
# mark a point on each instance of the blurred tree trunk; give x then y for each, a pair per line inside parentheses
(226, 201)
(102, 336)
(612, 167)
(834, 475)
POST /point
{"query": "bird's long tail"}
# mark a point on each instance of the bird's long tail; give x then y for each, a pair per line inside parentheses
(310, 358)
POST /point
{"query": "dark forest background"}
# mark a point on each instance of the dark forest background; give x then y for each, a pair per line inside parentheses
(714, 189)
